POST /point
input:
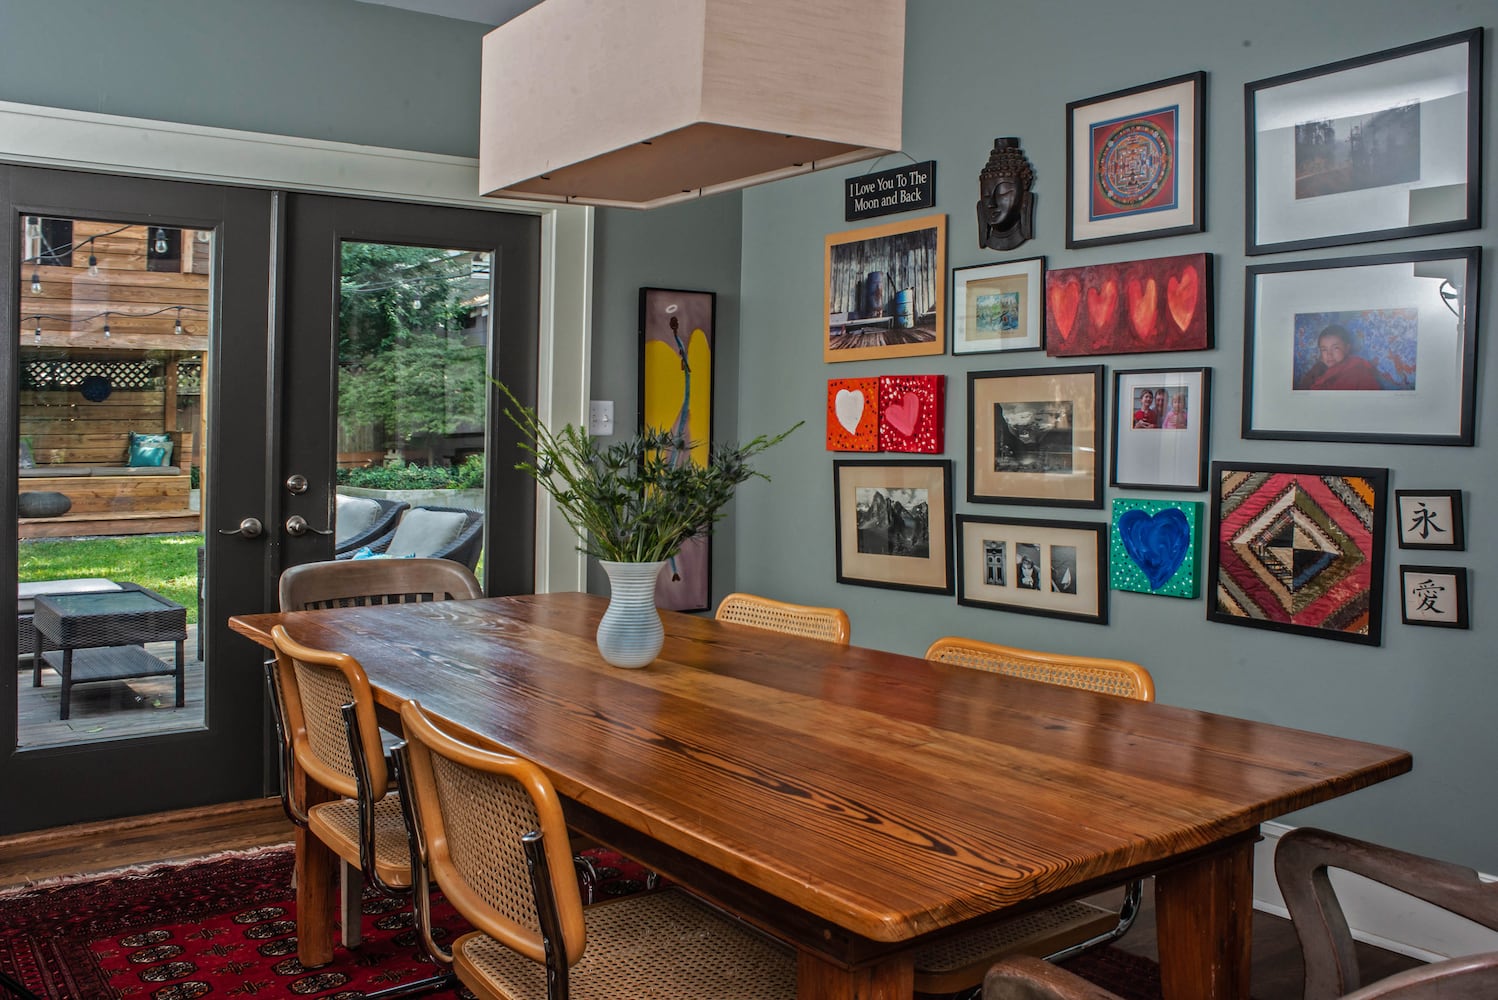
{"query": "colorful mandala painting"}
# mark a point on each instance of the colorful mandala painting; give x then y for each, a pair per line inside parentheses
(1133, 164)
(1299, 549)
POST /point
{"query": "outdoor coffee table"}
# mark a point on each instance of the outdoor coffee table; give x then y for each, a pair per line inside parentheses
(101, 637)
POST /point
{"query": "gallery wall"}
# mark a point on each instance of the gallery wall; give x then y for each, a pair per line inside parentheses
(978, 69)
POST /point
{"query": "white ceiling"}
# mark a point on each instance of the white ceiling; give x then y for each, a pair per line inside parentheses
(491, 12)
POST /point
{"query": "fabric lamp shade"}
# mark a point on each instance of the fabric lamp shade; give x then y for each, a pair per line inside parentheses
(641, 103)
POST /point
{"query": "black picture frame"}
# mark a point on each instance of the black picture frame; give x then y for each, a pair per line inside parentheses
(1426, 586)
(1165, 121)
(927, 569)
(1417, 520)
(1177, 461)
(990, 559)
(1006, 466)
(1426, 379)
(1296, 158)
(1280, 533)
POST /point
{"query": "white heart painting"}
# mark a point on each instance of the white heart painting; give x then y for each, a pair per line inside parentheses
(848, 405)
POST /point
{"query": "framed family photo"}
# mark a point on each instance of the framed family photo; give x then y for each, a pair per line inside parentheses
(885, 291)
(1298, 548)
(1134, 163)
(1370, 148)
(1057, 569)
(1433, 595)
(1430, 519)
(1159, 433)
(999, 307)
(1035, 436)
(1377, 348)
(894, 524)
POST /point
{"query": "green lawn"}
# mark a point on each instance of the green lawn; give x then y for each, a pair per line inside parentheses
(167, 564)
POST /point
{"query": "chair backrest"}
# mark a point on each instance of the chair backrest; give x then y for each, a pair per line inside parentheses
(830, 624)
(314, 685)
(1120, 677)
(472, 807)
(347, 583)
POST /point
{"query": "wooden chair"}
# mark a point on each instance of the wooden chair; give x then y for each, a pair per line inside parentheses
(489, 828)
(958, 964)
(324, 701)
(359, 582)
(830, 624)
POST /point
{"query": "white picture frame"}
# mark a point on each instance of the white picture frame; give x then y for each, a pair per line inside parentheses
(999, 307)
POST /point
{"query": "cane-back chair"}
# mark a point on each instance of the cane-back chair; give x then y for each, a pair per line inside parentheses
(489, 830)
(958, 964)
(830, 624)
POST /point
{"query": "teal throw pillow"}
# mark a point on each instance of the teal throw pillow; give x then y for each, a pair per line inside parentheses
(148, 450)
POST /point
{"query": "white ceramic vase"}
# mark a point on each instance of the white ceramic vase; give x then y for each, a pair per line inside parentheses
(630, 633)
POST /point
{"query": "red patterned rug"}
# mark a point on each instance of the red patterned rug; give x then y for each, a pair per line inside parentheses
(226, 927)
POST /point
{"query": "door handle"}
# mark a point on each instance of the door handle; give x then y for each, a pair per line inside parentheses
(250, 527)
(297, 526)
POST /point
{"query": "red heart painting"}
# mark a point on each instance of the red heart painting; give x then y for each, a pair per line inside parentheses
(1181, 322)
(912, 413)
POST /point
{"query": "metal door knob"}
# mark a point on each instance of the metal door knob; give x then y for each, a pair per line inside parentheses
(250, 527)
(297, 526)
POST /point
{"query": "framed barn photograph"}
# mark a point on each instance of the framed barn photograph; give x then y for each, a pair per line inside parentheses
(1298, 548)
(1375, 147)
(893, 523)
(1160, 432)
(1035, 436)
(886, 291)
(999, 307)
(1135, 163)
(1057, 569)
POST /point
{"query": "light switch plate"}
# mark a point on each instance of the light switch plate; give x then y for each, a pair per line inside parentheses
(601, 417)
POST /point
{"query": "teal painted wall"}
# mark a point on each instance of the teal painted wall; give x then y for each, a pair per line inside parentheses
(977, 69)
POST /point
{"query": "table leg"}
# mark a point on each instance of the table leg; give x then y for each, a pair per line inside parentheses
(316, 883)
(181, 675)
(1204, 917)
(818, 979)
(67, 682)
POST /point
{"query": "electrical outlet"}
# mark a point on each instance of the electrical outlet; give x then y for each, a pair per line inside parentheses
(601, 417)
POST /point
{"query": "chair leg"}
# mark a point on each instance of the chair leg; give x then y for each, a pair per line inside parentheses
(352, 904)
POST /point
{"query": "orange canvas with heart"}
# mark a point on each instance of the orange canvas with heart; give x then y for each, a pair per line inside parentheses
(912, 413)
(1134, 307)
(853, 414)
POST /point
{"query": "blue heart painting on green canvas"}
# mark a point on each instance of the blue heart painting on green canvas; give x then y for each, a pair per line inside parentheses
(1155, 547)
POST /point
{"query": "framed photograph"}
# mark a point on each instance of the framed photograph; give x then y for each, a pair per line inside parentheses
(1370, 148)
(1298, 548)
(1058, 569)
(1433, 595)
(886, 291)
(894, 523)
(999, 307)
(1159, 433)
(1155, 547)
(676, 394)
(1430, 519)
(1034, 436)
(1135, 163)
(1374, 349)
(1133, 307)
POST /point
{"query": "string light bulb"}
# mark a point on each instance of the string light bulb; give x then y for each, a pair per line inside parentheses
(202, 236)
(37, 337)
(93, 263)
(161, 244)
(36, 282)
(106, 326)
(178, 330)
(33, 228)
(416, 302)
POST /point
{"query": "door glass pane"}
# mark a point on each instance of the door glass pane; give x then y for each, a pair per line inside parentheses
(114, 332)
(413, 345)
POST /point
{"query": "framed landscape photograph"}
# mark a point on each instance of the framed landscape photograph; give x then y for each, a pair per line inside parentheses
(1035, 436)
(886, 289)
(1135, 163)
(999, 307)
(1378, 349)
(1298, 548)
(1159, 436)
(676, 394)
(893, 524)
(1058, 569)
(1433, 595)
(1430, 519)
(1369, 148)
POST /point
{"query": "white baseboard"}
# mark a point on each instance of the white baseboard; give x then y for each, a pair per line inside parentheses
(1379, 915)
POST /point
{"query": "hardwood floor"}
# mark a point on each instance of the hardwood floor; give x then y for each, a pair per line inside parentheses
(92, 847)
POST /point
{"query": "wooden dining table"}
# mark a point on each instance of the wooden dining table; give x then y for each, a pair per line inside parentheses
(852, 802)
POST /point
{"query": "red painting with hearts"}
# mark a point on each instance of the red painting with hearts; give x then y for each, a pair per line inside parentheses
(912, 413)
(853, 414)
(1136, 307)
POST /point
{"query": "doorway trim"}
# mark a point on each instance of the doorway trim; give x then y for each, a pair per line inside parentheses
(77, 140)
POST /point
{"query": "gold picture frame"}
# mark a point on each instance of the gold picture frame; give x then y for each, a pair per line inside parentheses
(885, 291)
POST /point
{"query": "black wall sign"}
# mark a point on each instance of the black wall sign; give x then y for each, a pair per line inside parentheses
(904, 189)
